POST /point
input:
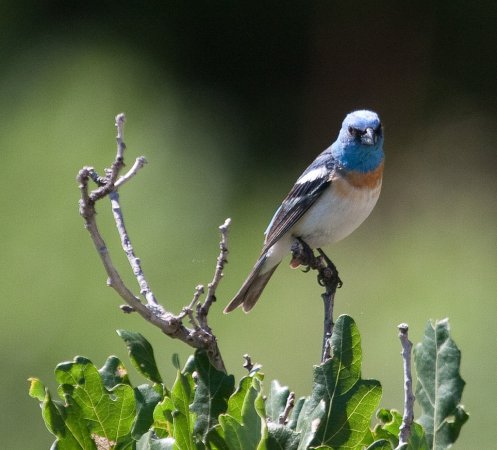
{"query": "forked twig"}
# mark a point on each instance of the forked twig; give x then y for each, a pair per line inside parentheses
(200, 336)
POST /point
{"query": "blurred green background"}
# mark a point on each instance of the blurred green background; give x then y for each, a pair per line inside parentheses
(230, 101)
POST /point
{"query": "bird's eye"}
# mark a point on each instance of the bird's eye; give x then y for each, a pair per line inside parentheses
(378, 128)
(352, 131)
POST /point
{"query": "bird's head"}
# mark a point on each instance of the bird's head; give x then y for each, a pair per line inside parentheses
(360, 143)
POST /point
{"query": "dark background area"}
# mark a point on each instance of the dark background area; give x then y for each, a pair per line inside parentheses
(230, 101)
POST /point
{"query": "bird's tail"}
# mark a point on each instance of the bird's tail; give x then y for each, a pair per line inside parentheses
(252, 289)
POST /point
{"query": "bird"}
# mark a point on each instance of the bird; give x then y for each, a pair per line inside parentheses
(331, 198)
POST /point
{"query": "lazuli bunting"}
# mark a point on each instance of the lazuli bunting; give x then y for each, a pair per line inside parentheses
(330, 199)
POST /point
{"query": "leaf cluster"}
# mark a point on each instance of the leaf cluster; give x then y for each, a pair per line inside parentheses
(203, 409)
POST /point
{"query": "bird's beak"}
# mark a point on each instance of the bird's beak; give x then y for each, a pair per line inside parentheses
(369, 137)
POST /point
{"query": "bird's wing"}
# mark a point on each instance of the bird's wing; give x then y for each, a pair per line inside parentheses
(303, 195)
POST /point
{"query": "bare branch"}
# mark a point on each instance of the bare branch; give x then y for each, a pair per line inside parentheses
(327, 277)
(203, 309)
(188, 310)
(139, 163)
(121, 146)
(408, 416)
(134, 262)
(200, 336)
(199, 291)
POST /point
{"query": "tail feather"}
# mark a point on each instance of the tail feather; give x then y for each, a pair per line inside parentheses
(252, 289)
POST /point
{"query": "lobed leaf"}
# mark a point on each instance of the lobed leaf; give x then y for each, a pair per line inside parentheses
(338, 411)
(243, 427)
(281, 437)
(146, 399)
(214, 388)
(108, 414)
(141, 354)
(389, 428)
(439, 386)
(113, 373)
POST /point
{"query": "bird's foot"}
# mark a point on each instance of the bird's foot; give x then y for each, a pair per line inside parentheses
(327, 271)
(302, 255)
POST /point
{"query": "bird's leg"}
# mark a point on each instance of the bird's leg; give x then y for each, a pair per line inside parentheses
(302, 255)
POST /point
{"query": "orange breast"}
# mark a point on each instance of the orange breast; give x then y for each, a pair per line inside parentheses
(369, 180)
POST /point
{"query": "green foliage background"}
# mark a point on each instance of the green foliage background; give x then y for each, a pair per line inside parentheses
(229, 104)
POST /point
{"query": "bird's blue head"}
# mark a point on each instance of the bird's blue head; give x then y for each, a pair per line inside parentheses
(359, 146)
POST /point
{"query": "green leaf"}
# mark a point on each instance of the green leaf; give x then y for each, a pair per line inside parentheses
(246, 429)
(183, 420)
(71, 432)
(182, 392)
(189, 365)
(281, 437)
(439, 387)
(348, 416)
(347, 402)
(149, 442)
(108, 414)
(182, 431)
(78, 427)
(36, 389)
(163, 418)
(211, 396)
(389, 426)
(52, 416)
(113, 372)
(172, 416)
(309, 421)
(141, 354)
(175, 361)
(146, 398)
(418, 440)
(215, 439)
(292, 423)
(382, 444)
(260, 407)
(234, 434)
(276, 401)
(251, 418)
(390, 421)
(236, 401)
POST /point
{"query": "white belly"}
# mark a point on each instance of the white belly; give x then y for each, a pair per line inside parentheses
(336, 214)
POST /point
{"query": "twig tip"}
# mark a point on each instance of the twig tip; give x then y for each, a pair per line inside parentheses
(247, 364)
(225, 225)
